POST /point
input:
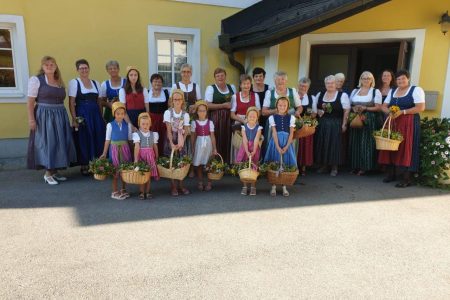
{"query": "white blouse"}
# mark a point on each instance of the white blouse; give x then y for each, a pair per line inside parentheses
(355, 97)
(167, 118)
(109, 131)
(187, 88)
(234, 101)
(272, 121)
(345, 101)
(209, 93)
(268, 95)
(305, 99)
(160, 99)
(103, 87)
(73, 87)
(251, 128)
(123, 99)
(202, 123)
(137, 138)
(33, 86)
(418, 95)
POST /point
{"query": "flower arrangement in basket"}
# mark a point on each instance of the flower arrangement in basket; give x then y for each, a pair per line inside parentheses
(247, 171)
(101, 168)
(356, 119)
(386, 139)
(173, 167)
(278, 173)
(216, 168)
(135, 173)
(305, 126)
(394, 109)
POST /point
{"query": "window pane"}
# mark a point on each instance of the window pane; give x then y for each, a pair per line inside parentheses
(163, 47)
(332, 64)
(167, 78)
(164, 63)
(7, 78)
(177, 77)
(179, 61)
(5, 38)
(180, 47)
(6, 59)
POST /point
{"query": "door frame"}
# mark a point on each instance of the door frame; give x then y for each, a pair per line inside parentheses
(415, 36)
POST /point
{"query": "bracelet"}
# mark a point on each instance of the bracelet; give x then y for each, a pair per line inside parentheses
(404, 111)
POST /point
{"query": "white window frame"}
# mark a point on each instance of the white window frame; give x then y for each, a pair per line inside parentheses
(161, 32)
(416, 36)
(224, 3)
(445, 110)
(17, 94)
(270, 62)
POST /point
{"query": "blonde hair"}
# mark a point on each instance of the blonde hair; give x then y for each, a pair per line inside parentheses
(179, 92)
(250, 109)
(368, 74)
(57, 73)
(144, 116)
(339, 76)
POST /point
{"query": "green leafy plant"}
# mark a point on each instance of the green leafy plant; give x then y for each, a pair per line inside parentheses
(327, 107)
(236, 167)
(353, 115)
(275, 166)
(434, 152)
(101, 166)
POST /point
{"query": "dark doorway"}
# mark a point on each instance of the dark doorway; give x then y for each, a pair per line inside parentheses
(353, 59)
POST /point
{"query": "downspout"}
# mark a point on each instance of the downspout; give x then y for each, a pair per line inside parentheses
(235, 63)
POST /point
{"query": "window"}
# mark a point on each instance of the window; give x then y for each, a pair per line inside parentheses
(170, 48)
(7, 77)
(13, 59)
(172, 54)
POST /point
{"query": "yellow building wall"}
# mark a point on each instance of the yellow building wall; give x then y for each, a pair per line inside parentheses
(108, 29)
(393, 15)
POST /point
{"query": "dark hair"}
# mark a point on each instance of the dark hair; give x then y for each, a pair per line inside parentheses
(156, 76)
(259, 70)
(81, 62)
(401, 73)
(380, 82)
(128, 88)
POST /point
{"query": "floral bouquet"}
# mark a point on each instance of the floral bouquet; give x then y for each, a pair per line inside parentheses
(135, 172)
(80, 121)
(394, 109)
(327, 107)
(101, 168)
(356, 120)
(177, 162)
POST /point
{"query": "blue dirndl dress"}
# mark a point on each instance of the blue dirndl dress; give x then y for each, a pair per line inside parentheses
(282, 125)
(90, 137)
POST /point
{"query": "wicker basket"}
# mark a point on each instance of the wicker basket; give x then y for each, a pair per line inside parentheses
(282, 177)
(304, 131)
(216, 176)
(171, 173)
(248, 175)
(135, 177)
(357, 122)
(386, 144)
(100, 176)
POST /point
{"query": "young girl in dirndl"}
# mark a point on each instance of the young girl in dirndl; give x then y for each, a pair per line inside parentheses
(282, 125)
(204, 142)
(251, 134)
(146, 150)
(177, 123)
(118, 135)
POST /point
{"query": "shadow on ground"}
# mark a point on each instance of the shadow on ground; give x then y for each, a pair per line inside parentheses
(93, 206)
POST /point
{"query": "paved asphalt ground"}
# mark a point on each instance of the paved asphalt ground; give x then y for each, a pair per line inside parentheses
(344, 237)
